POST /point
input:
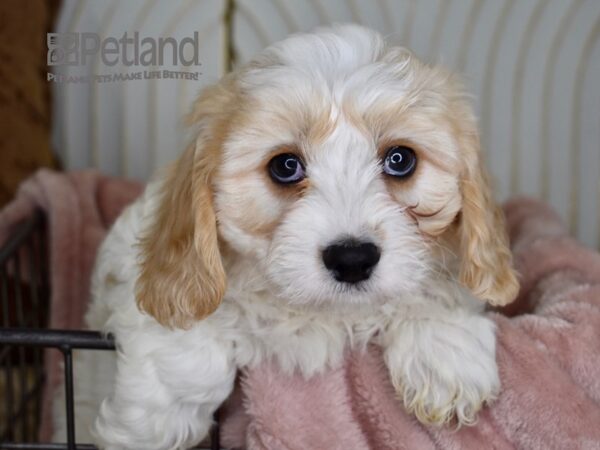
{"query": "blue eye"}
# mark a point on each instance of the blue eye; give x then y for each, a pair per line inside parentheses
(286, 169)
(400, 161)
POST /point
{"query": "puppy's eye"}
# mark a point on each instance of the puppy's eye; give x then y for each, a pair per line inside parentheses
(286, 169)
(400, 161)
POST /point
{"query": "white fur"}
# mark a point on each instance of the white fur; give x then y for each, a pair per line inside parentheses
(281, 303)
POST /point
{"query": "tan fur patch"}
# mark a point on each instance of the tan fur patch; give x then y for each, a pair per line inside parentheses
(486, 260)
(182, 279)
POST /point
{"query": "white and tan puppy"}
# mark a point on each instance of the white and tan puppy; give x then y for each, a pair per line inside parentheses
(334, 196)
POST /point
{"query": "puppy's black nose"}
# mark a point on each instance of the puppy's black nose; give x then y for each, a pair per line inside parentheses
(351, 261)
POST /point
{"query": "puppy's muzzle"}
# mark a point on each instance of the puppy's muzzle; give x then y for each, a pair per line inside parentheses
(350, 261)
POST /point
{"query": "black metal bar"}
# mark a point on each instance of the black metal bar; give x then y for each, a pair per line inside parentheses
(56, 338)
(32, 270)
(34, 283)
(57, 446)
(68, 357)
(4, 294)
(8, 399)
(44, 276)
(21, 233)
(42, 446)
(215, 439)
(18, 300)
(18, 306)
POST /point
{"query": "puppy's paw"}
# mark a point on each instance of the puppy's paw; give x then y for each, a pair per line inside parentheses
(436, 397)
(445, 370)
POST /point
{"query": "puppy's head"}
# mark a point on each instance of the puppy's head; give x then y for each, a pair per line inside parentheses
(343, 170)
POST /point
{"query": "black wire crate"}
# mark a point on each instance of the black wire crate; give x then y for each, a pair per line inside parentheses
(24, 339)
(24, 293)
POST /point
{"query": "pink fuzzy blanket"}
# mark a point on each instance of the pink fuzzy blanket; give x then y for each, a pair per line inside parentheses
(548, 342)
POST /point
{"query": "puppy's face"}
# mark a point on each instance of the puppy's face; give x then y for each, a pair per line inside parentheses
(337, 166)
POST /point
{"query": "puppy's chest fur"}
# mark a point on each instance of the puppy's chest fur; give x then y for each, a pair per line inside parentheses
(295, 340)
(311, 339)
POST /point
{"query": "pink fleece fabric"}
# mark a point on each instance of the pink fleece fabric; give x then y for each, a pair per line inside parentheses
(548, 342)
(80, 207)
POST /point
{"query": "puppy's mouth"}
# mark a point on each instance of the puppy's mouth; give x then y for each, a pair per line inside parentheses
(360, 287)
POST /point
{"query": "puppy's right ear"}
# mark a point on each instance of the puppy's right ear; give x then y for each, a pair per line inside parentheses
(182, 279)
(181, 276)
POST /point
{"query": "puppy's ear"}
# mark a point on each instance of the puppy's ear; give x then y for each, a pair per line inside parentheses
(181, 274)
(486, 261)
(182, 278)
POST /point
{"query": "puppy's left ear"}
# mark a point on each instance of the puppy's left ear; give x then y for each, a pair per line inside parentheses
(486, 261)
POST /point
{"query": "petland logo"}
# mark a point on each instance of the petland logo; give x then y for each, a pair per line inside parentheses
(80, 49)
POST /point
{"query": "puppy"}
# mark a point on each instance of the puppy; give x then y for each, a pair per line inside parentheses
(334, 196)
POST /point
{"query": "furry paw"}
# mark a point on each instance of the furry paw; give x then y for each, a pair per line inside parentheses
(444, 370)
(437, 401)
